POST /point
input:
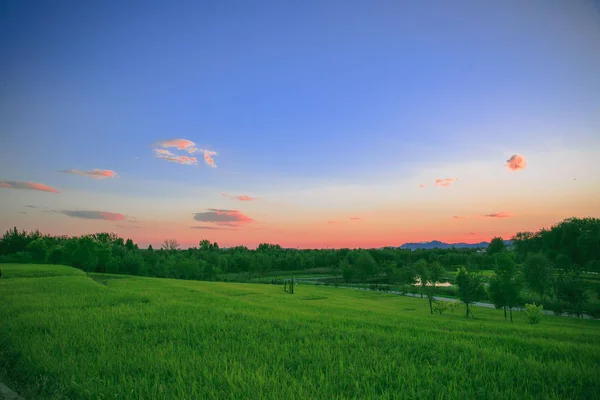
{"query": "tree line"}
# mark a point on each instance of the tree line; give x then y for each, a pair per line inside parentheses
(549, 263)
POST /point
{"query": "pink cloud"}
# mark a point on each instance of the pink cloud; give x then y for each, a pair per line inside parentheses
(27, 185)
(498, 215)
(458, 217)
(240, 198)
(445, 182)
(168, 156)
(95, 173)
(181, 144)
(355, 218)
(422, 185)
(208, 160)
(516, 162)
(184, 145)
(107, 216)
(233, 218)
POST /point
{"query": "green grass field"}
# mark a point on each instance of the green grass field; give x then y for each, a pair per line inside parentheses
(65, 335)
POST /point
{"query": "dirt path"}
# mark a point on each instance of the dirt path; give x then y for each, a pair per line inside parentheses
(7, 394)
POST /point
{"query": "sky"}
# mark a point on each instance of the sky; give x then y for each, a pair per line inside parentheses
(309, 124)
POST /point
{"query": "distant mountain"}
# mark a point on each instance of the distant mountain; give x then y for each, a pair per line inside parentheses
(436, 244)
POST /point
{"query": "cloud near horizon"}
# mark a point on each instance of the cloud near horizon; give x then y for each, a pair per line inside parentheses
(240, 198)
(516, 162)
(445, 182)
(28, 186)
(95, 173)
(354, 218)
(459, 217)
(498, 215)
(183, 145)
(231, 218)
(30, 206)
(103, 215)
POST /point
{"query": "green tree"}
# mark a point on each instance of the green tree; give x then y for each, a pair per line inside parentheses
(496, 246)
(38, 250)
(366, 266)
(470, 288)
(537, 273)
(505, 286)
(434, 274)
(571, 289)
(423, 274)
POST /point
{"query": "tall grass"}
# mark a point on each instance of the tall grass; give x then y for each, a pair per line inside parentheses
(65, 335)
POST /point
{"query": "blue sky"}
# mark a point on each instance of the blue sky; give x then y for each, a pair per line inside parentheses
(293, 96)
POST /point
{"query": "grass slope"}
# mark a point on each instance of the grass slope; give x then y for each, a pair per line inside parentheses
(65, 335)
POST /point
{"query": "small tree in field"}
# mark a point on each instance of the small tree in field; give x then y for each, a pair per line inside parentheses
(534, 313)
(470, 288)
(453, 305)
(423, 273)
(440, 306)
(505, 286)
(434, 273)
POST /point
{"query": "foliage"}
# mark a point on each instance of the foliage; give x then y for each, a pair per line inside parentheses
(538, 274)
(440, 306)
(570, 289)
(505, 286)
(534, 313)
(496, 246)
(470, 288)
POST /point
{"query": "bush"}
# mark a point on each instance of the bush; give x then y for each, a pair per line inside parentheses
(453, 305)
(534, 313)
(440, 306)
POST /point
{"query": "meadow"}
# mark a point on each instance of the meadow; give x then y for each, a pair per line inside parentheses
(65, 335)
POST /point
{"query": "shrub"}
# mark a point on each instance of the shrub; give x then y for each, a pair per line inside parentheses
(534, 313)
(440, 306)
(453, 305)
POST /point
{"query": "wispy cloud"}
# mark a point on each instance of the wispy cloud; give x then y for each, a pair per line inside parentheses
(128, 227)
(354, 218)
(183, 145)
(232, 218)
(22, 212)
(240, 198)
(30, 206)
(107, 216)
(459, 217)
(471, 233)
(516, 162)
(212, 228)
(332, 222)
(445, 182)
(498, 215)
(95, 173)
(168, 156)
(27, 185)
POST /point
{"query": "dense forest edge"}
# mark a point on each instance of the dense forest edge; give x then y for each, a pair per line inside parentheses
(558, 268)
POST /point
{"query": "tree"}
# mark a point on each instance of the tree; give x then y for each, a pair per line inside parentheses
(422, 272)
(435, 271)
(365, 266)
(505, 286)
(170, 245)
(470, 288)
(537, 273)
(570, 288)
(38, 250)
(496, 246)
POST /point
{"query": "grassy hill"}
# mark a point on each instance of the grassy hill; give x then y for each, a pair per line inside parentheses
(65, 335)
